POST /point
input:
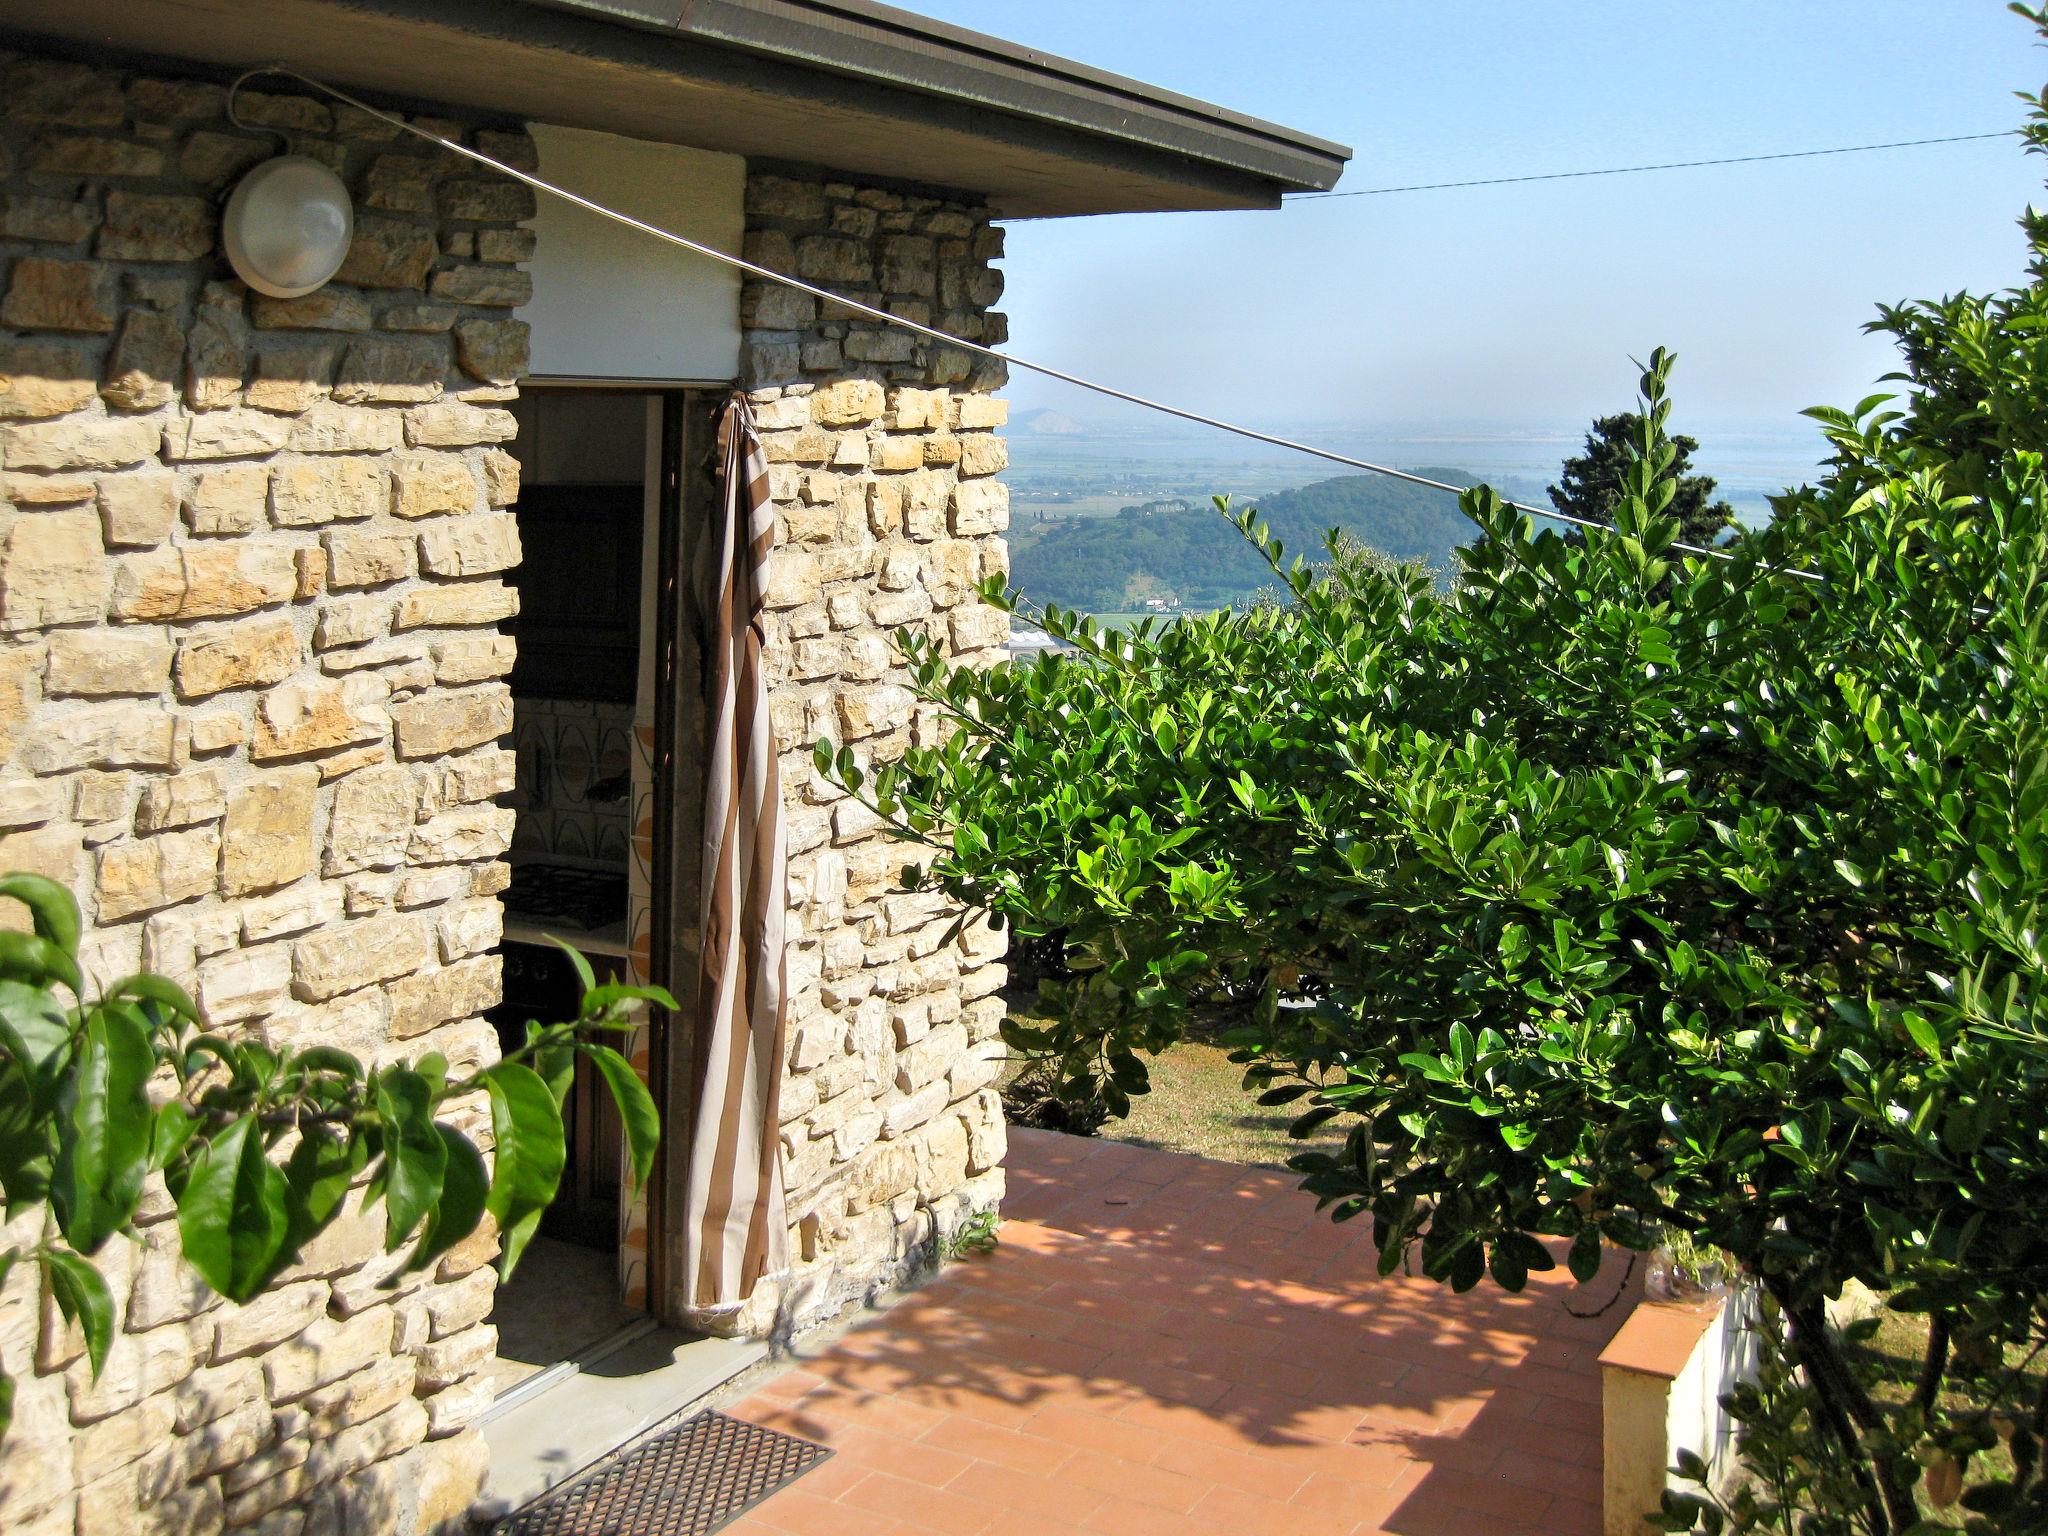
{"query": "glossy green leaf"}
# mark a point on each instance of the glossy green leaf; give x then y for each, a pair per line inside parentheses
(465, 1189)
(636, 1109)
(103, 1131)
(526, 1123)
(233, 1218)
(415, 1157)
(81, 1294)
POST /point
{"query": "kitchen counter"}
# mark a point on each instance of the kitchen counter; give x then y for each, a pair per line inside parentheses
(611, 939)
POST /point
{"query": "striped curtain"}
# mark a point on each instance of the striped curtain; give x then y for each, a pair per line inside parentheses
(734, 1229)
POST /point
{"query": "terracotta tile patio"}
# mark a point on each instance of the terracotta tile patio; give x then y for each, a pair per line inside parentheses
(1167, 1344)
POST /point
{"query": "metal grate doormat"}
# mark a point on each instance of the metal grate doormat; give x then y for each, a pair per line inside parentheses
(689, 1481)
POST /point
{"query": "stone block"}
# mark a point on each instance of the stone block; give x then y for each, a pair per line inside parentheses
(40, 376)
(269, 831)
(849, 402)
(143, 372)
(292, 375)
(462, 836)
(869, 711)
(29, 802)
(983, 453)
(455, 605)
(493, 351)
(976, 627)
(453, 424)
(980, 507)
(281, 1313)
(101, 663)
(217, 731)
(447, 1361)
(429, 999)
(183, 800)
(352, 621)
(46, 293)
(372, 821)
(389, 253)
(201, 580)
(213, 158)
(312, 492)
(150, 226)
(980, 411)
(57, 220)
(326, 1352)
(320, 715)
(214, 1391)
(438, 723)
(164, 1289)
(330, 426)
(125, 1437)
(105, 798)
(156, 872)
(324, 309)
(80, 442)
(496, 200)
(245, 984)
(429, 485)
(498, 287)
(226, 434)
(100, 736)
(358, 954)
(470, 928)
(252, 653)
(392, 369)
(299, 910)
(368, 559)
(474, 546)
(472, 658)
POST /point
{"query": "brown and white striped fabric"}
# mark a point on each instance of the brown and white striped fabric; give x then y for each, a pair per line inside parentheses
(734, 1228)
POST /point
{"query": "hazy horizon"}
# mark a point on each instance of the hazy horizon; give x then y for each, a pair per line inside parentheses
(1516, 310)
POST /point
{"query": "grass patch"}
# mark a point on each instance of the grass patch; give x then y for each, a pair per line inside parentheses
(1198, 1104)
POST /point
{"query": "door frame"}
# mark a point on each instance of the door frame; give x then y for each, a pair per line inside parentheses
(680, 499)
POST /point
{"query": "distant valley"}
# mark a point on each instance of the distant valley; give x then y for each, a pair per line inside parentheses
(1179, 554)
(1112, 514)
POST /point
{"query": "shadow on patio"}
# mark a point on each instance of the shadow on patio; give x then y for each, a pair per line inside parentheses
(1169, 1344)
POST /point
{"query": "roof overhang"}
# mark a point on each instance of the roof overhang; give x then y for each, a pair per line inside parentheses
(857, 87)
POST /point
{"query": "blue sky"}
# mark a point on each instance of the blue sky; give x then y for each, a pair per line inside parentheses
(1513, 307)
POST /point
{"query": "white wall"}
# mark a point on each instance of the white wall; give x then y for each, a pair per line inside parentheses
(610, 302)
(1726, 1355)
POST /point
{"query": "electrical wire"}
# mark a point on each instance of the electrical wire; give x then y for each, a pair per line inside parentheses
(1637, 170)
(1009, 359)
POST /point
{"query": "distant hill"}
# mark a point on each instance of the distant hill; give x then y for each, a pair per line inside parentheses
(1045, 423)
(1190, 555)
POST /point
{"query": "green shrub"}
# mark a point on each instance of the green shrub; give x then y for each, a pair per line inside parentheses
(1613, 889)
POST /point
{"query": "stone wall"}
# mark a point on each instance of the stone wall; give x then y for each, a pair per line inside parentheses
(882, 458)
(250, 694)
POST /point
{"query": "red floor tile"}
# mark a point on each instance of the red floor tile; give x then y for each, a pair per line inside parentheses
(1167, 1346)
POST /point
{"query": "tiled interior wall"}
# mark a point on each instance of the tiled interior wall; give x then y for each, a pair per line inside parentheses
(574, 791)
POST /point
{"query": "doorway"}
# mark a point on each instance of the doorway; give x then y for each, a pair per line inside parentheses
(586, 501)
(608, 741)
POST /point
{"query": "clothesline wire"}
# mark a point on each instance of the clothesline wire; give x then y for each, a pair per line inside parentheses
(1637, 170)
(1009, 359)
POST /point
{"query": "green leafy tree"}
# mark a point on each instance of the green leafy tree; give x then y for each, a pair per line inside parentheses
(1592, 484)
(1615, 890)
(259, 1147)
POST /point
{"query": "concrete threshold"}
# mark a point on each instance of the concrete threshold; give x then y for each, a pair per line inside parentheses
(615, 1393)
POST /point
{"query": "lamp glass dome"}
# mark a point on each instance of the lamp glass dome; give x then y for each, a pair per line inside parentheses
(287, 226)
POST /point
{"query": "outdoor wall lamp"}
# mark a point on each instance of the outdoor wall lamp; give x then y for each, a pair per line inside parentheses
(287, 226)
